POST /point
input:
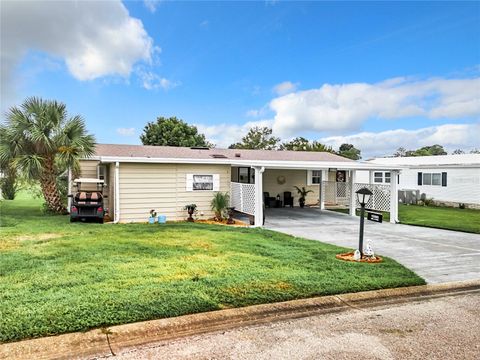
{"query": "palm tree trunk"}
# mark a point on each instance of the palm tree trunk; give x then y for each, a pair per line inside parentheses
(50, 192)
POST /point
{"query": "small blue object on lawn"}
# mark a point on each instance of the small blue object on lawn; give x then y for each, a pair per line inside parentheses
(162, 219)
(151, 220)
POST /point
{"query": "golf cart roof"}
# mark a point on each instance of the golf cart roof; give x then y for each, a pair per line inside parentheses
(88, 180)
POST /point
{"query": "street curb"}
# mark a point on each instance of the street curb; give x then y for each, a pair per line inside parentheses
(94, 343)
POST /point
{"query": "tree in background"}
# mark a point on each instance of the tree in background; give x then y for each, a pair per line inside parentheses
(475, 151)
(401, 152)
(458, 152)
(40, 141)
(172, 132)
(428, 151)
(259, 138)
(349, 151)
(302, 144)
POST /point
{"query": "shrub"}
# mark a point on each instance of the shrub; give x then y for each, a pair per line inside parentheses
(219, 204)
(8, 185)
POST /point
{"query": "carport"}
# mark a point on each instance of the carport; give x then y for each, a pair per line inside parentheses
(247, 194)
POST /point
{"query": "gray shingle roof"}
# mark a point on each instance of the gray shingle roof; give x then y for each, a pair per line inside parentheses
(143, 151)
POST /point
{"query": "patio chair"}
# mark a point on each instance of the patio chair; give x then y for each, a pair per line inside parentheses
(268, 200)
(287, 199)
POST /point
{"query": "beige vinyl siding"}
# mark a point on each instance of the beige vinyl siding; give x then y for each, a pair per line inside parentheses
(292, 178)
(163, 187)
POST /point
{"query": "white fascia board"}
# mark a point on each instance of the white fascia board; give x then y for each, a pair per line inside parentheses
(301, 165)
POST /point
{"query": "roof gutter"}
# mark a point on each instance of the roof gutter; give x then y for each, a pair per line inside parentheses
(268, 164)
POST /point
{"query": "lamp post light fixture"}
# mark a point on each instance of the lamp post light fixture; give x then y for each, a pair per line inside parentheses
(363, 195)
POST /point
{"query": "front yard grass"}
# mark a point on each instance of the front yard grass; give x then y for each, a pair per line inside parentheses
(466, 220)
(57, 277)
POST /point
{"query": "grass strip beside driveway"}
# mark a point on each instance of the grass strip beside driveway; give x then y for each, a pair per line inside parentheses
(57, 277)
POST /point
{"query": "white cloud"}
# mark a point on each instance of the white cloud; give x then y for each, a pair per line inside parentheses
(285, 88)
(152, 81)
(126, 131)
(151, 5)
(95, 39)
(346, 106)
(451, 136)
(223, 135)
(204, 23)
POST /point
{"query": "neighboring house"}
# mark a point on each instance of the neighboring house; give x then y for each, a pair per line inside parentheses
(448, 179)
(141, 178)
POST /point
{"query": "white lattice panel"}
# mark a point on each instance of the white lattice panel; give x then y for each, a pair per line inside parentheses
(337, 193)
(242, 197)
(380, 200)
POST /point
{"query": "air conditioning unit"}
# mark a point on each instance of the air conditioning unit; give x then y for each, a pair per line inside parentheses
(408, 196)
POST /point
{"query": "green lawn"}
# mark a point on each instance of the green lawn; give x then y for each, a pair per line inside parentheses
(58, 277)
(466, 220)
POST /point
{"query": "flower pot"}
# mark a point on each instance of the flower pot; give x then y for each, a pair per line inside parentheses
(162, 219)
(301, 202)
(151, 220)
(190, 213)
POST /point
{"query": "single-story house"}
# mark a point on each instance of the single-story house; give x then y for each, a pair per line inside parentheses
(448, 179)
(141, 178)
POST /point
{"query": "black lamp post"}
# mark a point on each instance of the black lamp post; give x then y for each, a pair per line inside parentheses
(363, 195)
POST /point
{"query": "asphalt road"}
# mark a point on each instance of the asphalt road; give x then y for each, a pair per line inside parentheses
(439, 328)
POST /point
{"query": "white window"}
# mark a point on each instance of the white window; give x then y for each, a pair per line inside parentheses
(204, 182)
(387, 177)
(316, 176)
(381, 177)
(432, 179)
(101, 172)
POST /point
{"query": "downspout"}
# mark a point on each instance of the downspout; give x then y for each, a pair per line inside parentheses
(117, 193)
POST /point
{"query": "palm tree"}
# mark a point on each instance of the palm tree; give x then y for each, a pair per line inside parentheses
(38, 139)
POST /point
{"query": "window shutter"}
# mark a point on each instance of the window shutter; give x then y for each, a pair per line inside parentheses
(216, 182)
(420, 175)
(189, 182)
(444, 179)
(309, 177)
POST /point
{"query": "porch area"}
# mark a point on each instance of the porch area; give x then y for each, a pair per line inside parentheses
(264, 193)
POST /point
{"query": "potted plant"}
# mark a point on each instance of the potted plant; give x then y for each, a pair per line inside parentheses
(153, 215)
(219, 204)
(303, 193)
(191, 210)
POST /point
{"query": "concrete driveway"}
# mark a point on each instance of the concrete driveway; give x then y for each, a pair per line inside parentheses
(436, 255)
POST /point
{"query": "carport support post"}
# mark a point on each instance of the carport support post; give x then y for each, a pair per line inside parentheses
(258, 195)
(353, 197)
(394, 196)
(69, 190)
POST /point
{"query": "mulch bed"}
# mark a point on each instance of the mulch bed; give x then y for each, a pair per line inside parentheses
(349, 257)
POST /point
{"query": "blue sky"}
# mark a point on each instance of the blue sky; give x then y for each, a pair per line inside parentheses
(379, 75)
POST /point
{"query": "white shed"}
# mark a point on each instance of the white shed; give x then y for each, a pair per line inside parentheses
(448, 179)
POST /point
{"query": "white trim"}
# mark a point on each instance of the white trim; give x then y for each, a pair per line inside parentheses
(353, 195)
(116, 218)
(189, 182)
(268, 164)
(394, 197)
(309, 177)
(259, 196)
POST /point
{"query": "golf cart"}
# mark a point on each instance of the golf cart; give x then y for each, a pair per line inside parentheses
(87, 202)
